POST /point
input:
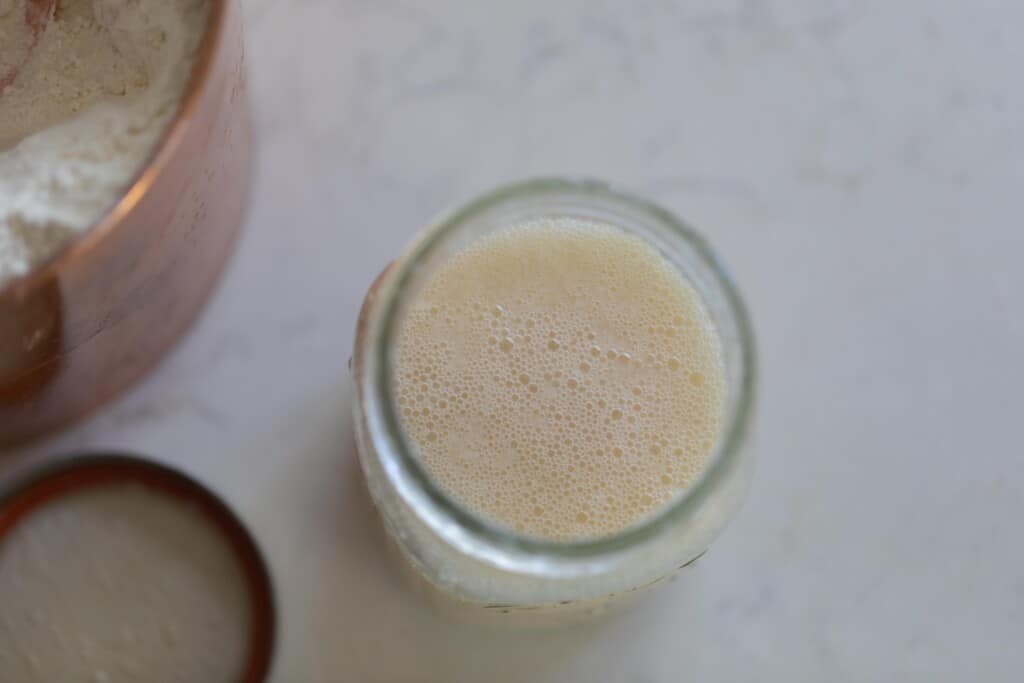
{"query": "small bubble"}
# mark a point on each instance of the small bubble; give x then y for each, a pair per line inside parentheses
(553, 345)
(505, 345)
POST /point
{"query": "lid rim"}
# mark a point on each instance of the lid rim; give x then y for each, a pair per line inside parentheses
(43, 485)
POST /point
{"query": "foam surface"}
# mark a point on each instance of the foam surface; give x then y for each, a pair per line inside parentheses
(561, 378)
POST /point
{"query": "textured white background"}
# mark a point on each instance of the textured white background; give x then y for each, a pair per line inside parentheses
(861, 167)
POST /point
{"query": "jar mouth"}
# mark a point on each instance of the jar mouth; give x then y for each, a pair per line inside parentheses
(398, 453)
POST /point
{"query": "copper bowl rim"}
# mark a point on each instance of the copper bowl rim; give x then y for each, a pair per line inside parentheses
(161, 154)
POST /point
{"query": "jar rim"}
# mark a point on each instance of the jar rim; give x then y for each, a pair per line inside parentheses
(389, 436)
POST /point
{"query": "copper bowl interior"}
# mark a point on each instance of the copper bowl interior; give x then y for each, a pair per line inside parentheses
(150, 169)
(100, 313)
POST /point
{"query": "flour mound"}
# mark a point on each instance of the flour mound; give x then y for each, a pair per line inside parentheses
(89, 101)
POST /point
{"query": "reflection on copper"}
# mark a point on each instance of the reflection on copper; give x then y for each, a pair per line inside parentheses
(30, 346)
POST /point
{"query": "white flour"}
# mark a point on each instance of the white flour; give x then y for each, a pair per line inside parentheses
(120, 584)
(87, 106)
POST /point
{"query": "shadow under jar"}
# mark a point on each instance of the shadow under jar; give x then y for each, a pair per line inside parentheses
(104, 310)
(472, 563)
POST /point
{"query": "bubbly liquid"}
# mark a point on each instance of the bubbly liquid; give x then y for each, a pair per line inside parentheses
(561, 378)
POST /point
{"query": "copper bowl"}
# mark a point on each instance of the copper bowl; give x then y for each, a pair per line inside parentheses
(81, 328)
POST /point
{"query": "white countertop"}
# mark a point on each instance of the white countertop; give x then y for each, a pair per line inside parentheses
(861, 167)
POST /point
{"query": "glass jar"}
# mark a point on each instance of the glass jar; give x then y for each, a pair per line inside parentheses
(470, 561)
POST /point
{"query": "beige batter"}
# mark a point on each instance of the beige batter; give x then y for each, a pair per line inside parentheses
(562, 378)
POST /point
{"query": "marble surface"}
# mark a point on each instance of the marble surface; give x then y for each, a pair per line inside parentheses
(859, 164)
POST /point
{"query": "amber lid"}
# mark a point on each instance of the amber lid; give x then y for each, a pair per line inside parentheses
(81, 474)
